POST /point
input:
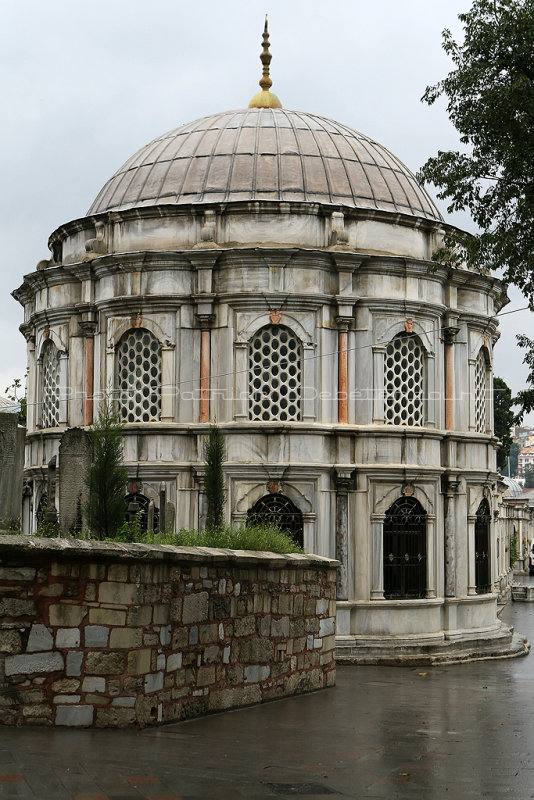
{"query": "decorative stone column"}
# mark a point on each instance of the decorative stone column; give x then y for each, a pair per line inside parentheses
(88, 326)
(343, 362)
(343, 482)
(162, 506)
(449, 334)
(205, 255)
(28, 332)
(379, 358)
(430, 556)
(202, 504)
(471, 572)
(377, 588)
(205, 366)
(450, 489)
(51, 511)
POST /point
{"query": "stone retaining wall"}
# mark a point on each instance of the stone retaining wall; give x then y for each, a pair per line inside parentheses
(112, 635)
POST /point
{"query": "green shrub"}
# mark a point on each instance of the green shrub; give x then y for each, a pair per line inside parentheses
(256, 537)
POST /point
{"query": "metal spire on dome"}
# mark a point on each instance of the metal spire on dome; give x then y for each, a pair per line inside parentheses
(265, 98)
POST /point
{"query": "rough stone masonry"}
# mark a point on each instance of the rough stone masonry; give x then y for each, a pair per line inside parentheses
(113, 635)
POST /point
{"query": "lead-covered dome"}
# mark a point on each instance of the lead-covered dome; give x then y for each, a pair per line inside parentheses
(266, 154)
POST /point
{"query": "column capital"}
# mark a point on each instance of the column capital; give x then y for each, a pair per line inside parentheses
(449, 333)
(87, 319)
(344, 478)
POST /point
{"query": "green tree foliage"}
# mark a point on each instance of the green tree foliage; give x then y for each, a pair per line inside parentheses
(106, 477)
(490, 101)
(529, 476)
(525, 398)
(504, 419)
(214, 485)
(514, 458)
(17, 394)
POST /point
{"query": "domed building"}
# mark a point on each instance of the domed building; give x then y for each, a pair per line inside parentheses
(271, 271)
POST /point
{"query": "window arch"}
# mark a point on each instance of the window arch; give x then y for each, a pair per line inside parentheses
(481, 392)
(279, 510)
(143, 504)
(482, 547)
(404, 381)
(275, 375)
(138, 376)
(50, 381)
(405, 556)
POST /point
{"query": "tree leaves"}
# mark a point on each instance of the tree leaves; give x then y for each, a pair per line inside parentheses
(490, 101)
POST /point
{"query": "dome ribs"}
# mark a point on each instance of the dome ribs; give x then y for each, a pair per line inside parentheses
(266, 154)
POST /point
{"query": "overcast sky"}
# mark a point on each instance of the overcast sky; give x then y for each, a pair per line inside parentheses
(84, 85)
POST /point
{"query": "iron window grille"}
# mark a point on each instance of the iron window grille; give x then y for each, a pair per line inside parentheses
(279, 510)
(139, 376)
(403, 381)
(137, 506)
(275, 357)
(405, 550)
(482, 548)
(50, 385)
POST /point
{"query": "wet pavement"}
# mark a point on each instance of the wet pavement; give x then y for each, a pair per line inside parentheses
(462, 731)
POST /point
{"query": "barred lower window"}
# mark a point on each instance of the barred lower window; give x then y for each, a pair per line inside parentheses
(275, 375)
(139, 376)
(50, 385)
(281, 511)
(403, 381)
(481, 421)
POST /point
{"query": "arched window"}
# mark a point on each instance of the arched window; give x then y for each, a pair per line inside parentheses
(404, 381)
(138, 506)
(279, 510)
(50, 385)
(405, 550)
(139, 376)
(275, 355)
(482, 547)
(481, 391)
(42, 505)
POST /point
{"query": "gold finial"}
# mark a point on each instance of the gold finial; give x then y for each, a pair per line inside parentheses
(265, 98)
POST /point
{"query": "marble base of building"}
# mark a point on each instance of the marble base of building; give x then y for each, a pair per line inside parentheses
(417, 642)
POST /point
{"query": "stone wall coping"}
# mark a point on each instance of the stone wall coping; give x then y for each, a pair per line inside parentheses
(90, 550)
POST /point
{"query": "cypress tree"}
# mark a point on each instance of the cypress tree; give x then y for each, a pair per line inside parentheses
(106, 477)
(214, 478)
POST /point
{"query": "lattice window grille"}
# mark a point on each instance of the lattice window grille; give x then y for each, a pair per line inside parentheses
(275, 375)
(139, 376)
(481, 419)
(403, 382)
(50, 386)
